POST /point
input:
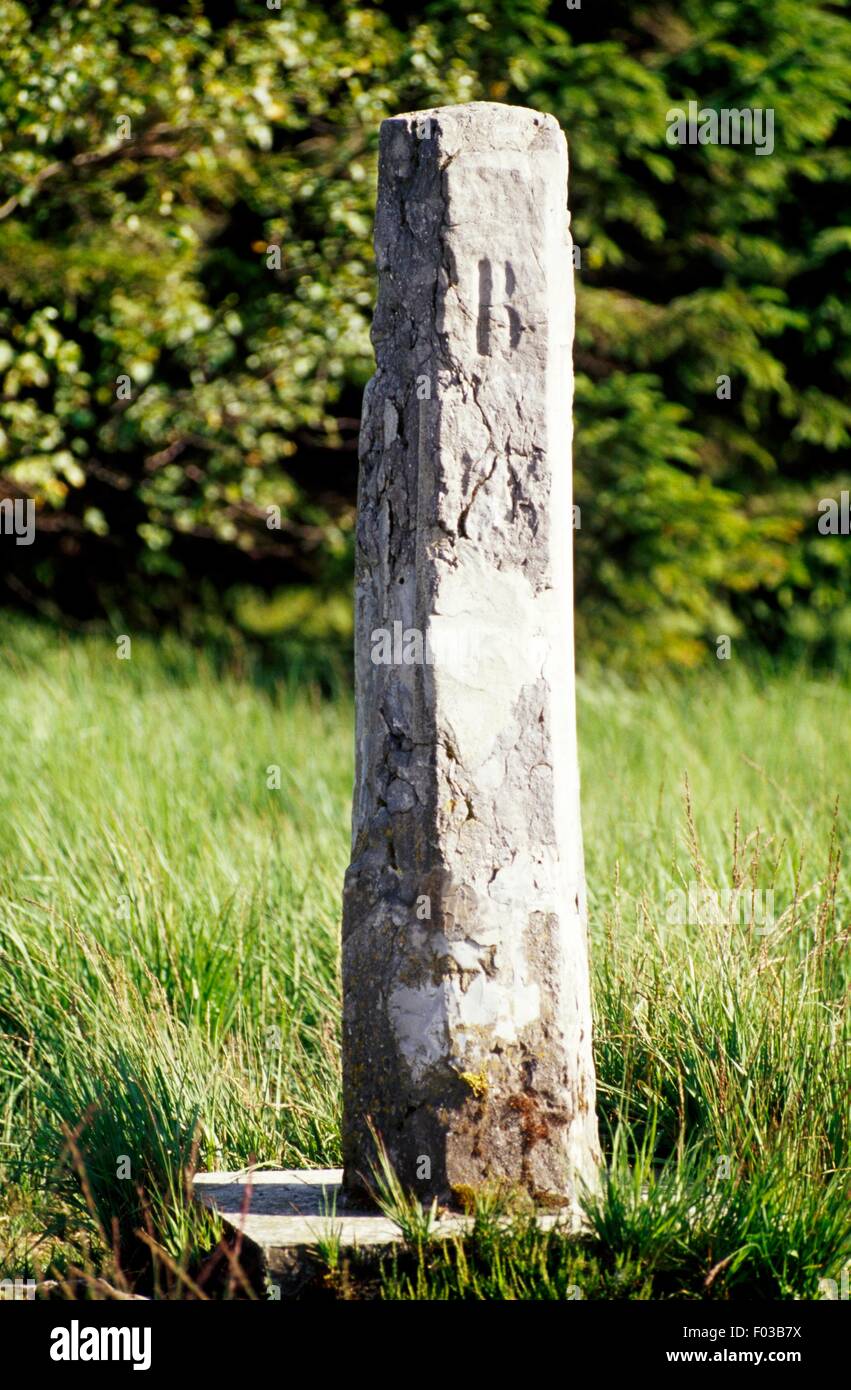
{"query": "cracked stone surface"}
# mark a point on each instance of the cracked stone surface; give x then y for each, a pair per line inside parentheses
(466, 1002)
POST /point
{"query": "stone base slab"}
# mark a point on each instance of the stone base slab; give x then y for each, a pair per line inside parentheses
(284, 1213)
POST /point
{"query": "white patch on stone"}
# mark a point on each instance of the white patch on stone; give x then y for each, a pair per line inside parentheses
(490, 636)
(419, 1023)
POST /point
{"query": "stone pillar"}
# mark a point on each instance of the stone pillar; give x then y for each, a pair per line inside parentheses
(466, 1004)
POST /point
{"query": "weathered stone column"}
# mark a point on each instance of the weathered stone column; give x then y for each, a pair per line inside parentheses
(467, 1021)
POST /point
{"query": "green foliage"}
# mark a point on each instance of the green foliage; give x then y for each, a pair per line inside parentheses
(652, 1234)
(415, 1221)
(152, 158)
(169, 974)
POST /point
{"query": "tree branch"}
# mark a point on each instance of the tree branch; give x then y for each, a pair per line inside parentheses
(145, 146)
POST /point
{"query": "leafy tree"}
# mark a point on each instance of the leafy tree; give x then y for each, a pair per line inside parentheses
(186, 285)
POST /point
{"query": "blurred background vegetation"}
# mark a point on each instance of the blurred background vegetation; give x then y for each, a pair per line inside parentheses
(150, 155)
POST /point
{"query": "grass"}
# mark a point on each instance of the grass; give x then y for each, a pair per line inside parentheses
(172, 845)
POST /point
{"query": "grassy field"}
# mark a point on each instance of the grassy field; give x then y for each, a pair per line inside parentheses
(169, 977)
